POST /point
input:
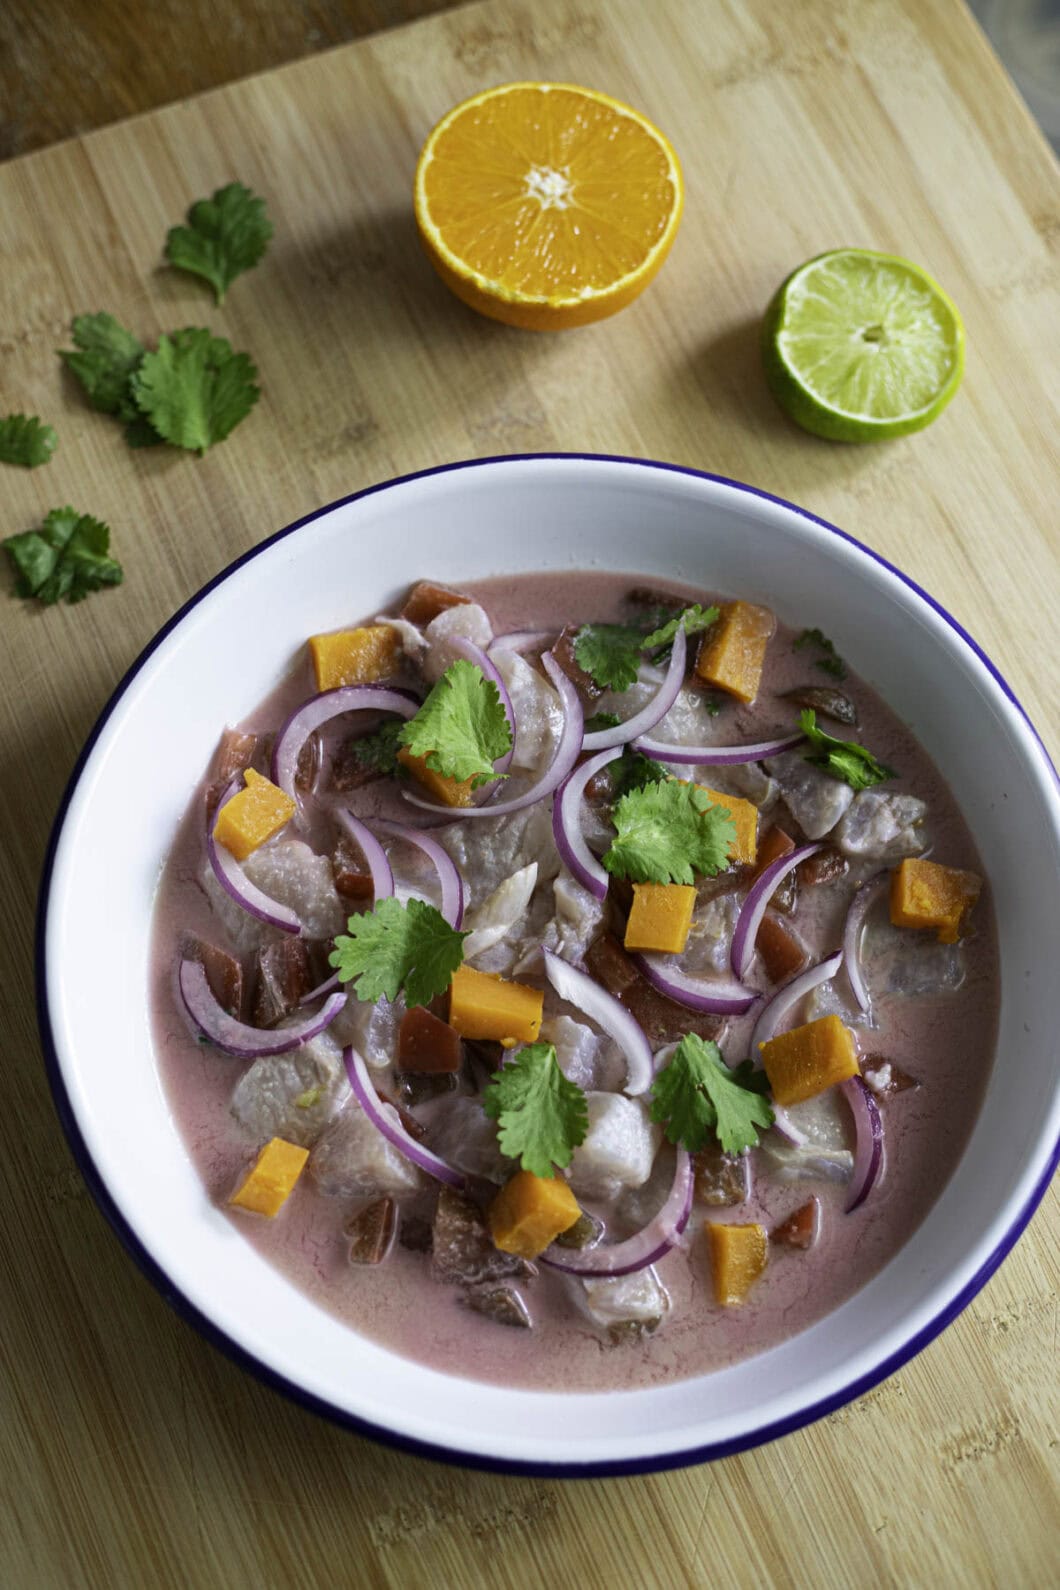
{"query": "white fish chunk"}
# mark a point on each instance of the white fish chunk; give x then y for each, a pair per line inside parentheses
(287, 870)
(538, 714)
(489, 852)
(815, 799)
(353, 1158)
(882, 825)
(468, 621)
(619, 1148)
(585, 1057)
(637, 1299)
(291, 1095)
(496, 918)
(372, 1028)
(460, 1132)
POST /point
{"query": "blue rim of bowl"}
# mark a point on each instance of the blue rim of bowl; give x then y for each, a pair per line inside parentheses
(319, 1405)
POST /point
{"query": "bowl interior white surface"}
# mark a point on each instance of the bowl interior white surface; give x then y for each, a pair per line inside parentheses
(497, 517)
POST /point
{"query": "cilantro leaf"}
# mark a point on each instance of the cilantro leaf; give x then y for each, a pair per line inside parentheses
(831, 662)
(461, 728)
(843, 759)
(64, 560)
(669, 832)
(610, 653)
(194, 389)
(26, 441)
(378, 750)
(602, 720)
(541, 1116)
(397, 946)
(696, 1095)
(633, 770)
(104, 360)
(693, 620)
(225, 236)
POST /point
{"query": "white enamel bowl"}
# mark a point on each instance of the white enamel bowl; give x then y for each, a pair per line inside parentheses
(220, 656)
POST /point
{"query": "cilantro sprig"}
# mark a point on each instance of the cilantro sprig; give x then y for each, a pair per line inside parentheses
(612, 653)
(843, 759)
(225, 235)
(26, 441)
(830, 662)
(669, 833)
(378, 751)
(541, 1116)
(462, 728)
(64, 560)
(398, 946)
(696, 1096)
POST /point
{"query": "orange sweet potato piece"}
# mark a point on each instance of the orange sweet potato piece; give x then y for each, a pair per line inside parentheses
(354, 656)
(268, 1185)
(660, 917)
(733, 650)
(482, 1005)
(530, 1212)
(738, 1255)
(253, 815)
(427, 1044)
(927, 895)
(803, 1062)
(450, 791)
(744, 814)
(427, 599)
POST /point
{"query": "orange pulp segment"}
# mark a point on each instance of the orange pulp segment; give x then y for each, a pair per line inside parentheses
(546, 205)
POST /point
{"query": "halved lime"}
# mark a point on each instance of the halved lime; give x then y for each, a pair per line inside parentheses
(860, 347)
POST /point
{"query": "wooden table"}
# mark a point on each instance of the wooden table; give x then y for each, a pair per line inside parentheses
(130, 1452)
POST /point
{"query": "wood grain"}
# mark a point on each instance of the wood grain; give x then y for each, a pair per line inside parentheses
(130, 1452)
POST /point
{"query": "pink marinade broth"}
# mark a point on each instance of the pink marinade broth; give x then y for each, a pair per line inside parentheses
(946, 1041)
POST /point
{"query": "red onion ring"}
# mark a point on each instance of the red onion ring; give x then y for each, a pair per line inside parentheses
(235, 1037)
(648, 1246)
(653, 711)
(754, 907)
(868, 1139)
(372, 851)
(386, 1119)
(864, 899)
(521, 640)
(776, 1009)
(563, 760)
(579, 989)
(567, 824)
(474, 654)
(318, 710)
(237, 885)
(716, 755)
(720, 998)
(452, 885)
(783, 1123)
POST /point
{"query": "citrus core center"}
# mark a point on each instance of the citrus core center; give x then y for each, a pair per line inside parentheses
(552, 188)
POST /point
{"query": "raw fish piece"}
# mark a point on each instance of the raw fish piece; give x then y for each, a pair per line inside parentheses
(353, 1158)
(293, 1095)
(466, 620)
(494, 921)
(288, 871)
(460, 1132)
(462, 1246)
(815, 799)
(619, 1148)
(538, 715)
(882, 825)
(372, 1028)
(488, 853)
(586, 1057)
(627, 1305)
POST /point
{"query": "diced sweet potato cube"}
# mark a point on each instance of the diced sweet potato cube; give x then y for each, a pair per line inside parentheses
(738, 1255)
(354, 656)
(803, 1062)
(482, 1005)
(744, 814)
(266, 1188)
(530, 1212)
(427, 599)
(254, 814)
(450, 791)
(427, 1044)
(927, 895)
(660, 917)
(733, 650)
(782, 951)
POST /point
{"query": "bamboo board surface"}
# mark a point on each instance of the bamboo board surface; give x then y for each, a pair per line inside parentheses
(131, 1453)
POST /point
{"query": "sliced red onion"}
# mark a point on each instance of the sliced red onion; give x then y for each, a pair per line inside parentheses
(474, 654)
(563, 760)
(452, 885)
(372, 851)
(237, 885)
(320, 990)
(235, 1037)
(721, 998)
(386, 1118)
(579, 989)
(717, 755)
(776, 1009)
(648, 1246)
(521, 640)
(868, 1139)
(318, 710)
(864, 899)
(754, 907)
(784, 1124)
(654, 710)
(567, 824)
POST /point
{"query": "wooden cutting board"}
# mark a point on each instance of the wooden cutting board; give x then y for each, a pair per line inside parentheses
(130, 1452)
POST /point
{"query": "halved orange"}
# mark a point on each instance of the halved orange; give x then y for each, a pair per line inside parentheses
(546, 205)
